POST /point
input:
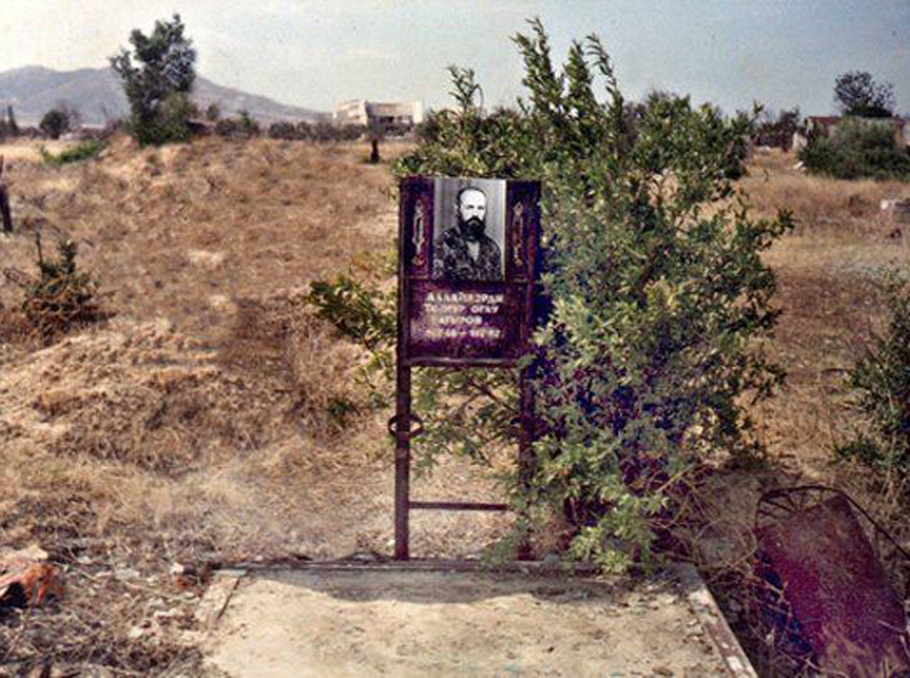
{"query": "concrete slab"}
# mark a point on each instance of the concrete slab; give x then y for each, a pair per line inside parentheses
(373, 622)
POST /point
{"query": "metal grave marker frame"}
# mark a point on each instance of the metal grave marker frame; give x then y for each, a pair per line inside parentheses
(468, 296)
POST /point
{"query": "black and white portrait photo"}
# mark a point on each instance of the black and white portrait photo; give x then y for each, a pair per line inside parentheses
(468, 237)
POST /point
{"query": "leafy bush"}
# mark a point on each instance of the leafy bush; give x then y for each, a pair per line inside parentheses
(62, 297)
(360, 314)
(644, 362)
(54, 123)
(158, 86)
(858, 148)
(283, 130)
(880, 380)
(82, 151)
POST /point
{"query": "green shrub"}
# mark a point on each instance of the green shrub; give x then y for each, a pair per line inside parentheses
(62, 297)
(54, 123)
(880, 381)
(858, 148)
(360, 314)
(644, 362)
(82, 151)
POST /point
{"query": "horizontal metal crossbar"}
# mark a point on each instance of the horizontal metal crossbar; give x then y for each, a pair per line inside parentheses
(457, 506)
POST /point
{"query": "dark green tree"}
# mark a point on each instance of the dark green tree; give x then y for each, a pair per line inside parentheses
(54, 123)
(157, 78)
(857, 93)
(212, 112)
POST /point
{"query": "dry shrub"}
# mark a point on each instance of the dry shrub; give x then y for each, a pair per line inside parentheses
(281, 341)
(142, 395)
(818, 203)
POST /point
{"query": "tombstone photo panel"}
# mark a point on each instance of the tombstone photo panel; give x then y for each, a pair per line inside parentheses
(468, 269)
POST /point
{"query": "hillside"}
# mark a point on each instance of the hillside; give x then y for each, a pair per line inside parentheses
(98, 96)
(215, 418)
(210, 419)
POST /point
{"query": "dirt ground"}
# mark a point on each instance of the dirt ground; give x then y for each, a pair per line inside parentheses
(374, 623)
(195, 425)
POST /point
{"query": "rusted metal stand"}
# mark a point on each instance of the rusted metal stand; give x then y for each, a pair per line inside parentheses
(831, 584)
(400, 428)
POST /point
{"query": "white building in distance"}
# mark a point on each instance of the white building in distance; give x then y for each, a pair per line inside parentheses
(367, 113)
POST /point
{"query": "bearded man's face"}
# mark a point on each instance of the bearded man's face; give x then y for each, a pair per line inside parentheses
(472, 212)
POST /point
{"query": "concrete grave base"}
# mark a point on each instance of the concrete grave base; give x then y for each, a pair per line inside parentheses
(394, 621)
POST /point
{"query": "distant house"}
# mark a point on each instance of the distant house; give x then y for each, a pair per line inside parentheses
(824, 125)
(371, 113)
(821, 125)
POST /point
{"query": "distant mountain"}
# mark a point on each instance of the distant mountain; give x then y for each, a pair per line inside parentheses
(98, 96)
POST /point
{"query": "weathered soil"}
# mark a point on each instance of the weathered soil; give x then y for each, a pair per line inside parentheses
(374, 623)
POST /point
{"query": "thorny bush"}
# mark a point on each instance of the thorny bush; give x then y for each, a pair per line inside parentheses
(880, 383)
(62, 297)
(656, 290)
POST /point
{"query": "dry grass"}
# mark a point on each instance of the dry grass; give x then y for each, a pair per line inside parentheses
(826, 272)
(213, 418)
(833, 208)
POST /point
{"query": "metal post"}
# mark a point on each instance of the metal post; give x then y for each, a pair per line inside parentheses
(402, 461)
(525, 453)
(5, 211)
(4, 203)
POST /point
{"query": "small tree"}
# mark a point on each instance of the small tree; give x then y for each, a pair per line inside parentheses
(857, 93)
(11, 123)
(54, 123)
(248, 124)
(157, 78)
(212, 112)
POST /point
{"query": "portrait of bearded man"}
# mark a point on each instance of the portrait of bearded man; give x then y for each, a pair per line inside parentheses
(465, 251)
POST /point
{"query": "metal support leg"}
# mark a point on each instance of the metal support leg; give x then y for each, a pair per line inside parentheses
(402, 462)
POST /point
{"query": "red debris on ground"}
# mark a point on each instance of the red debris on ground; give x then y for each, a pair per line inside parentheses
(27, 579)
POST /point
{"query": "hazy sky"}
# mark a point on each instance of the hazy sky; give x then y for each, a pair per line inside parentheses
(317, 53)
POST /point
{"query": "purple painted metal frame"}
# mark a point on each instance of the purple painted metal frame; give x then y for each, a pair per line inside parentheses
(827, 583)
(507, 309)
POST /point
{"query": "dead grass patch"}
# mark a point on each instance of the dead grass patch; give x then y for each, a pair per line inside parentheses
(836, 207)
